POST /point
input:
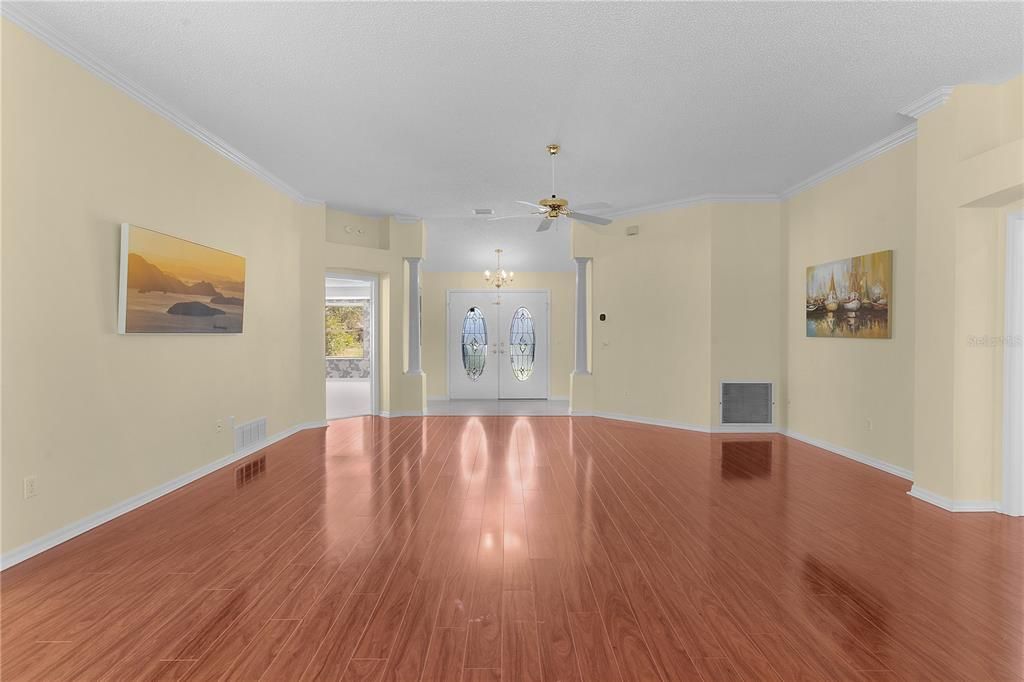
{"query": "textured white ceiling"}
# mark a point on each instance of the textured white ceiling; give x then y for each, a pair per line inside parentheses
(468, 244)
(433, 109)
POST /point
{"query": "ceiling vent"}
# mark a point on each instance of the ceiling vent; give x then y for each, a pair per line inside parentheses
(483, 211)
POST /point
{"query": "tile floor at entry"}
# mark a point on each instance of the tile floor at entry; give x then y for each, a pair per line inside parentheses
(527, 549)
(348, 398)
(553, 408)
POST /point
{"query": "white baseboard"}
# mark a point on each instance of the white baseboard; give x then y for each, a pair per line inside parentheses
(64, 534)
(745, 428)
(928, 496)
(718, 428)
(389, 415)
(645, 420)
(854, 455)
(844, 452)
(915, 491)
(444, 398)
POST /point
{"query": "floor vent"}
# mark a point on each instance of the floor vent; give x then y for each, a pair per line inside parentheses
(747, 402)
(251, 433)
(250, 470)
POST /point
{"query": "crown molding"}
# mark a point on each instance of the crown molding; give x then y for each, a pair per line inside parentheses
(695, 201)
(18, 14)
(877, 149)
(933, 100)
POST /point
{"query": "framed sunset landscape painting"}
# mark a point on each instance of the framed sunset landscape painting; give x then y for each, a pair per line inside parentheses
(173, 286)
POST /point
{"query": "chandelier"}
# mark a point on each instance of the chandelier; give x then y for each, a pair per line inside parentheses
(500, 278)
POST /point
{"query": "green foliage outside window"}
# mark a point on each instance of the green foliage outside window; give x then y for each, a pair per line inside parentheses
(344, 326)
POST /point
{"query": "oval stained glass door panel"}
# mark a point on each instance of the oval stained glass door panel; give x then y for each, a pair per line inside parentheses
(474, 343)
(522, 344)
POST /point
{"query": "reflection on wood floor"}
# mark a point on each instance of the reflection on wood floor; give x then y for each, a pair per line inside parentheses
(527, 548)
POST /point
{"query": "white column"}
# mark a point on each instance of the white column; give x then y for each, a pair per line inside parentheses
(414, 316)
(582, 361)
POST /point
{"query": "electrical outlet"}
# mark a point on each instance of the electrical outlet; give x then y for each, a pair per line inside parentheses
(31, 487)
(871, 424)
(220, 425)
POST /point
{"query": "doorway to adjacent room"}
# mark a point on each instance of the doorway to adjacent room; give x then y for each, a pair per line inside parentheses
(350, 344)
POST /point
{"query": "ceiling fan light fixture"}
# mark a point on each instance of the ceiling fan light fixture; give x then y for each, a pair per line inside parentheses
(550, 209)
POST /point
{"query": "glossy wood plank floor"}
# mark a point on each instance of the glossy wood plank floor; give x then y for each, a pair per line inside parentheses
(527, 548)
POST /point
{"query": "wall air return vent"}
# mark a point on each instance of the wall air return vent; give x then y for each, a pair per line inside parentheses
(250, 433)
(747, 402)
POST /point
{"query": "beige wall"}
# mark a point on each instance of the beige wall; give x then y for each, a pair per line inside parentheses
(693, 299)
(96, 416)
(400, 392)
(357, 230)
(855, 393)
(970, 175)
(934, 392)
(435, 321)
(651, 356)
(748, 276)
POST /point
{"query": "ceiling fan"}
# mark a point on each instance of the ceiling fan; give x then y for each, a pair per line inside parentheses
(556, 207)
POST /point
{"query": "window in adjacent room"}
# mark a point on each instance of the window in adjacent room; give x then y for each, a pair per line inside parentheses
(345, 322)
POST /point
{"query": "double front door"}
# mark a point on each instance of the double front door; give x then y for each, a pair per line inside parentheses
(497, 344)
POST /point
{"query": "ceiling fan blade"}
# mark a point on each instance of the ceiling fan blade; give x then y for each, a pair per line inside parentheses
(584, 218)
(507, 217)
(595, 206)
(531, 205)
(545, 225)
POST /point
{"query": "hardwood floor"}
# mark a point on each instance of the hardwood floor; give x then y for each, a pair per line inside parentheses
(527, 548)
